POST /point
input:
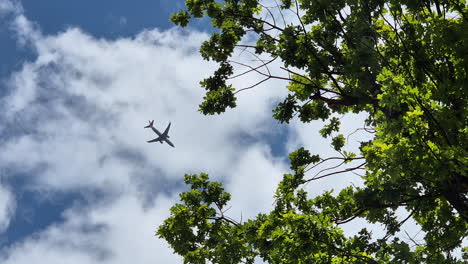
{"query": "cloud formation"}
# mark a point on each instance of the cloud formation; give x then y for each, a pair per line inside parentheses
(7, 207)
(72, 121)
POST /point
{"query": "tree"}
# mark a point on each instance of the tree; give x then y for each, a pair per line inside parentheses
(405, 64)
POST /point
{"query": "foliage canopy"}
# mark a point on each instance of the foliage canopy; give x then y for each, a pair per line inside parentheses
(405, 64)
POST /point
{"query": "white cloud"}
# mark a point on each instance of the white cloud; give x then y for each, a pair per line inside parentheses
(100, 94)
(120, 232)
(9, 7)
(7, 207)
(78, 112)
(252, 183)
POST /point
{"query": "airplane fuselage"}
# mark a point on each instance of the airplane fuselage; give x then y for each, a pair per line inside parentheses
(162, 137)
(156, 131)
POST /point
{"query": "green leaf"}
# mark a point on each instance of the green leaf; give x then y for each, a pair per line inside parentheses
(338, 142)
(301, 158)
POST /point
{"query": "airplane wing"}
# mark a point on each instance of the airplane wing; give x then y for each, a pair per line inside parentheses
(169, 143)
(154, 140)
(166, 131)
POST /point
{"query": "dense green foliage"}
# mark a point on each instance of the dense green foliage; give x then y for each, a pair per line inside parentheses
(404, 63)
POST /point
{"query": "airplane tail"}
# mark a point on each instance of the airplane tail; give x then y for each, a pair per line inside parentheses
(150, 124)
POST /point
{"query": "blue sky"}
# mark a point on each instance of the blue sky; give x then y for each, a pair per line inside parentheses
(78, 81)
(102, 19)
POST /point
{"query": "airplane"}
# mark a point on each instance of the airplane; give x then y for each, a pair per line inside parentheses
(161, 137)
